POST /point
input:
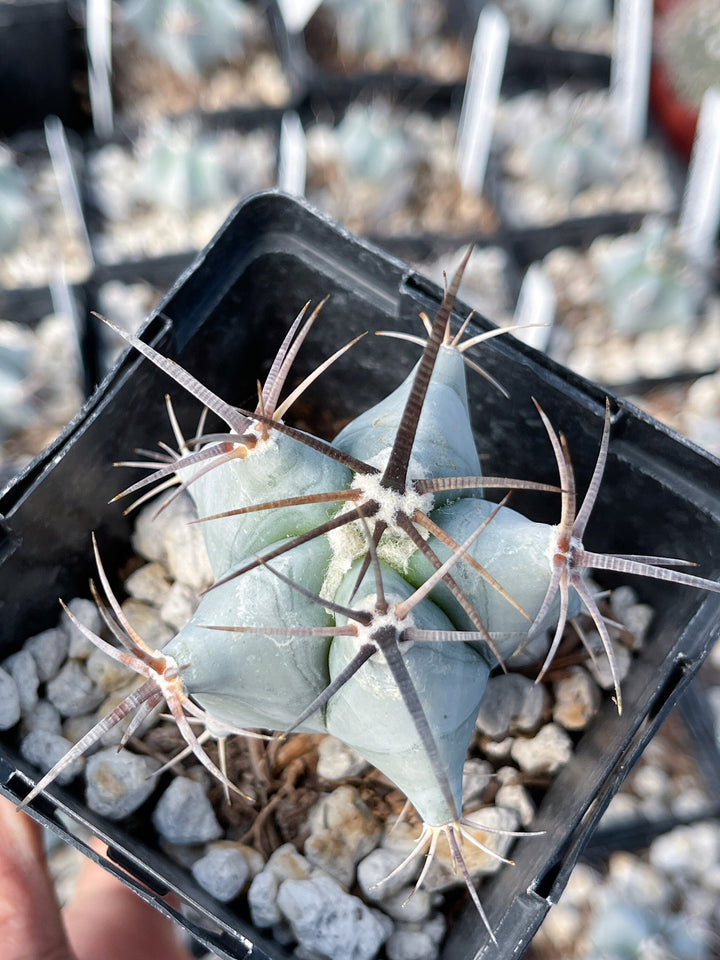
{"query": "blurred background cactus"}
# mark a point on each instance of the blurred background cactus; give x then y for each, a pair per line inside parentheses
(647, 281)
(191, 36)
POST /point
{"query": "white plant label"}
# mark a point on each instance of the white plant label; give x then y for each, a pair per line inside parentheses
(296, 13)
(292, 164)
(477, 118)
(65, 304)
(630, 73)
(98, 37)
(66, 179)
(535, 308)
(700, 212)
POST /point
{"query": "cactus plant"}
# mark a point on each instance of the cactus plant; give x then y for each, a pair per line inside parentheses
(379, 28)
(190, 35)
(330, 609)
(647, 281)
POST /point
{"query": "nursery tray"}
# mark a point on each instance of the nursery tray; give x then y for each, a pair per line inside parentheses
(527, 65)
(232, 120)
(223, 320)
(41, 51)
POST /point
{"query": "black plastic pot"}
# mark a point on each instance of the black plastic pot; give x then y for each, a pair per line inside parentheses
(526, 65)
(223, 319)
(41, 52)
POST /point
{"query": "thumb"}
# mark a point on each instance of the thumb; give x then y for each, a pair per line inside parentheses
(30, 923)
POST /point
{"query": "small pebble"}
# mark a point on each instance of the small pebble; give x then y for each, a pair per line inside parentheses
(410, 945)
(622, 599)
(48, 649)
(222, 872)
(476, 776)
(179, 605)
(9, 701)
(687, 851)
(184, 814)
(43, 750)
(689, 803)
(254, 860)
(512, 704)
(262, 900)
(442, 874)
(637, 620)
(326, 919)
(286, 863)
(75, 728)
(149, 584)
(650, 782)
(21, 667)
(149, 530)
(498, 750)
(638, 882)
(106, 673)
(73, 692)
(118, 783)
(408, 906)
(43, 716)
(88, 614)
(600, 667)
(336, 760)
(184, 543)
(342, 831)
(546, 752)
(377, 866)
(514, 796)
(577, 699)
(148, 623)
(435, 928)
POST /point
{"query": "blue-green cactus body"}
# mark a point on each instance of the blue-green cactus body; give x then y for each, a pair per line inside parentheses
(275, 468)
(370, 714)
(252, 680)
(444, 444)
(192, 36)
(515, 550)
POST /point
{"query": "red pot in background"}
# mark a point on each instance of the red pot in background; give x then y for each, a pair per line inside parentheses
(675, 86)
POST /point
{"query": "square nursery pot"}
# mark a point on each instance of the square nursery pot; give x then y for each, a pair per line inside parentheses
(34, 33)
(223, 320)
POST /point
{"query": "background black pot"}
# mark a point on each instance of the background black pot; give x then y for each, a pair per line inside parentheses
(223, 320)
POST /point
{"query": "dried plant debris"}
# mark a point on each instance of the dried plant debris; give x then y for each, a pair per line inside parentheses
(363, 589)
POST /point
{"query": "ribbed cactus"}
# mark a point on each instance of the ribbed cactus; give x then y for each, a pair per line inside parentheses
(647, 281)
(365, 587)
(191, 36)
